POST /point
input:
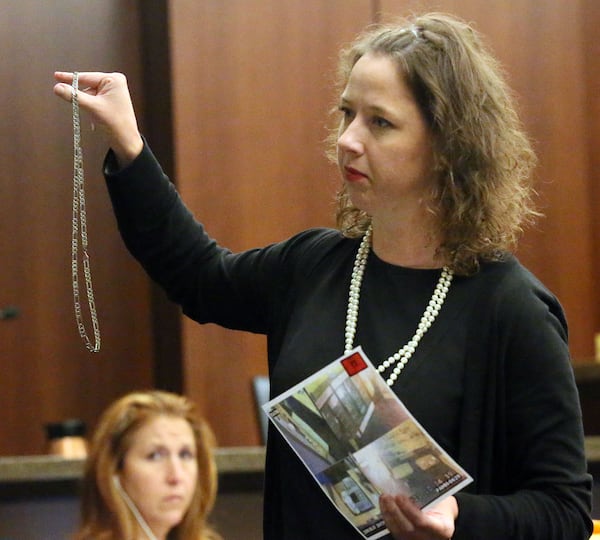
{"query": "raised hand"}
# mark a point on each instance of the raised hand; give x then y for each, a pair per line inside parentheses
(105, 97)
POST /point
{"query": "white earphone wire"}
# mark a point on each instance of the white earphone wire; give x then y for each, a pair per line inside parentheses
(136, 513)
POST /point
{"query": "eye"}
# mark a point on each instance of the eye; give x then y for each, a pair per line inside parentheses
(156, 455)
(347, 113)
(187, 454)
(380, 122)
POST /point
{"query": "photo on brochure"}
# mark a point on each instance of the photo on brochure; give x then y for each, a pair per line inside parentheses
(359, 441)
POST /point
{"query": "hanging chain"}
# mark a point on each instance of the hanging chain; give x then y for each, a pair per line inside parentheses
(79, 230)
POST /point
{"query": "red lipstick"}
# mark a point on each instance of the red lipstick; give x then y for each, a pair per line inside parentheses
(353, 175)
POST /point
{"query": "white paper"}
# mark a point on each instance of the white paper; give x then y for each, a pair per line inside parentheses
(359, 441)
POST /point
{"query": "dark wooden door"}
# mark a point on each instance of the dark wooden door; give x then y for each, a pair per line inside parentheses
(46, 374)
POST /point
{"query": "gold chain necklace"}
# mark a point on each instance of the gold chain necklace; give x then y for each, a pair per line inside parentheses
(79, 232)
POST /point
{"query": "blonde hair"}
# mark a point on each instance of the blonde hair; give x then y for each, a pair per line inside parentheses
(104, 514)
(483, 158)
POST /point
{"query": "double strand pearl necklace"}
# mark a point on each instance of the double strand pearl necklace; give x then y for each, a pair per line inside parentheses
(403, 355)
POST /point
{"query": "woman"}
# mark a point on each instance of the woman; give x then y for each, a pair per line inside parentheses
(435, 190)
(150, 474)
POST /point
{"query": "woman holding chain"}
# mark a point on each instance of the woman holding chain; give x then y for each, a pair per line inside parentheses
(435, 190)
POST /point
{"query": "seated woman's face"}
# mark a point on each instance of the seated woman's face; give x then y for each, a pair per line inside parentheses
(160, 471)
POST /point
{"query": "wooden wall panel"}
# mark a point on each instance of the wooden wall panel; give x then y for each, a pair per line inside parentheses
(251, 91)
(157, 113)
(590, 15)
(544, 48)
(47, 374)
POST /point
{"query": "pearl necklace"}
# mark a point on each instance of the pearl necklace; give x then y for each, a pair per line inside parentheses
(403, 355)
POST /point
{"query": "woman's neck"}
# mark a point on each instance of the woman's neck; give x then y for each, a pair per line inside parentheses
(409, 246)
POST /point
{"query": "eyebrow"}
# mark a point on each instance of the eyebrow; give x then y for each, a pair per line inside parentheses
(156, 444)
(376, 109)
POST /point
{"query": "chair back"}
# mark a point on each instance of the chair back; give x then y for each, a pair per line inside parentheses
(260, 386)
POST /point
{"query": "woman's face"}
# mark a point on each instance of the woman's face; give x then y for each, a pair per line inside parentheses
(384, 143)
(160, 472)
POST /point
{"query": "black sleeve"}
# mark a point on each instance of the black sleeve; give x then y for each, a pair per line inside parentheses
(542, 490)
(236, 290)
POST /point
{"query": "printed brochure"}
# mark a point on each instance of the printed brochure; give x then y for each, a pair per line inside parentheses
(358, 441)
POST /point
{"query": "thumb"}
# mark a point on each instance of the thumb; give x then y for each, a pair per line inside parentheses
(64, 91)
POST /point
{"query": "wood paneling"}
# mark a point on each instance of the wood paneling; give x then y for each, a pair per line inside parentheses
(250, 93)
(47, 374)
(546, 50)
(233, 96)
(590, 15)
(251, 90)
(157, 113)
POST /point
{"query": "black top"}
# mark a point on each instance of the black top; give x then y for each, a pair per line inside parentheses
(491, 381)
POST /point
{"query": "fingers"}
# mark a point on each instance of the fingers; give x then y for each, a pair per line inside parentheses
(89, 82)
(399, 513)
(86, 78)
(64, 88)
(409, 509)
(63, 76)
(406, 521)
(64, 91)
(105, 98)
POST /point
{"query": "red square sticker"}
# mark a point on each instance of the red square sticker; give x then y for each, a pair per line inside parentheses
(354, 363)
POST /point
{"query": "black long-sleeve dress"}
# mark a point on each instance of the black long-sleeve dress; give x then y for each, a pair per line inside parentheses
(491, 381)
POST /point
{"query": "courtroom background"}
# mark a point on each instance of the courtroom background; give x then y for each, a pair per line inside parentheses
(233, 96)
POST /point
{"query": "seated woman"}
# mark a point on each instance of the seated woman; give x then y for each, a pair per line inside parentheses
(150, 474)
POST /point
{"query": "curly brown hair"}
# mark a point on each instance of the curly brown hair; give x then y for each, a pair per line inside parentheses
(483, 157)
